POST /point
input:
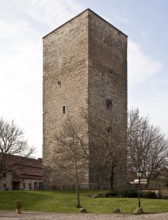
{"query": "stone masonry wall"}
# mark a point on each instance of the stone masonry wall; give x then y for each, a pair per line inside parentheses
(65, 81)
(107, 90)
(85, 66)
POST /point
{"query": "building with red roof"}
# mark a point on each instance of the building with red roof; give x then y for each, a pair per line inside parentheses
(22, 174)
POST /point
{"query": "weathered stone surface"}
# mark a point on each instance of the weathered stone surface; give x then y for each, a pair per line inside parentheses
(83, 210)
(85, 70)
(138, 211)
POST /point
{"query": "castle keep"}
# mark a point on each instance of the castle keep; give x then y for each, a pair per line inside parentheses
(85, 70)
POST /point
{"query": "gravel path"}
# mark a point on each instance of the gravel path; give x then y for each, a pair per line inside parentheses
(61, 216)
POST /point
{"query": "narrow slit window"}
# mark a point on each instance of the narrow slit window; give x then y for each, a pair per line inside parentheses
(59, 83)
(63, 109)
(108, 103)
(109, 129)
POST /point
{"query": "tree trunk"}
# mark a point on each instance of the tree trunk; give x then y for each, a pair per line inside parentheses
(111, 183)
(77, 188)
(78, 196)
(112, 179)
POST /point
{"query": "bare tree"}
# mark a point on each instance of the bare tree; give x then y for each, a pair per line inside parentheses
(147, 146)
(72, 153)
(11, 143)
(101, 150)
(110, 153)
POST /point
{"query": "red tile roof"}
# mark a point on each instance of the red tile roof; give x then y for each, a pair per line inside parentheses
(25, 168)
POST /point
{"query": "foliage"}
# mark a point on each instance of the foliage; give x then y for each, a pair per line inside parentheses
(149, 195)
(129, 193)
(126, 193)
(64, 202)
(112, 194)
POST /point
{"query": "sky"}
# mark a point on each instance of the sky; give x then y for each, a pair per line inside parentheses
(23, 23)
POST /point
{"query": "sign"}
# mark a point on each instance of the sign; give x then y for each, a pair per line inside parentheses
(142, 181)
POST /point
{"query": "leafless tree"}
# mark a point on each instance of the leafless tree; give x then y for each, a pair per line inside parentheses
(11, 143)
(72, 153)
(147, 146)
(104, 155)
(109, 149)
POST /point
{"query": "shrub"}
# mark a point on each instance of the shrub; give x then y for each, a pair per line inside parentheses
(111, 194)
(129, 193)
(149, 195)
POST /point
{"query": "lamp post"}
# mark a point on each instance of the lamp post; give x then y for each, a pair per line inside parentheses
(139, 175)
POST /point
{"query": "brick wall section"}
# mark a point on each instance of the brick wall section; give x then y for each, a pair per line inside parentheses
(85, 63)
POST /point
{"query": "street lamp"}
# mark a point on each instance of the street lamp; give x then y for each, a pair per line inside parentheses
(139, 175)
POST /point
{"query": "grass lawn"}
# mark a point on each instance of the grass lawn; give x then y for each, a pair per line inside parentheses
(65, 202)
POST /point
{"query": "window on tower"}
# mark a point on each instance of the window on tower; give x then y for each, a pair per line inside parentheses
(109, 129)
(59, 83)
(108, 103)
(63, 109)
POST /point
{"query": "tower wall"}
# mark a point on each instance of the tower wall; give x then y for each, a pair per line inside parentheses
(85, 71)
(65, 83)
(107, 92)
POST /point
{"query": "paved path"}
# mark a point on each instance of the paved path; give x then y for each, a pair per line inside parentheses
(60, 216)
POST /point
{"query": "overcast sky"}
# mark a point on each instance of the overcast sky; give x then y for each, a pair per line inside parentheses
(23, 23)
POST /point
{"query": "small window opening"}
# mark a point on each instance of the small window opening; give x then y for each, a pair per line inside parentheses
(63, 109)
(109, 129)
(59, 83)
(108, 103)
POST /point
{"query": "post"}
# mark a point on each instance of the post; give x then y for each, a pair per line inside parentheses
(139, 201)
(139, 175)
(139, 210)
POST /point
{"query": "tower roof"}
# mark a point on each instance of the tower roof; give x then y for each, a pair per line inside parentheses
(89, 11)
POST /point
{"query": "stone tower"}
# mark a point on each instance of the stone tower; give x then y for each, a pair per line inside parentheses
(85, 69)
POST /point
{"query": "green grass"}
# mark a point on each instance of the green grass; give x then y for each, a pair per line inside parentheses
(65, 202)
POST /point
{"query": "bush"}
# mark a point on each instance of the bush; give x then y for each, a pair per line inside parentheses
(149, 195)
(129, 193)
(111, 194)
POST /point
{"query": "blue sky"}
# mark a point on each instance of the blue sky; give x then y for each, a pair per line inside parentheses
(23, 23)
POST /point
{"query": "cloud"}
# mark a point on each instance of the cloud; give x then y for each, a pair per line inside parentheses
(23, 24)
(48, 12)
(147, 88)
(150, 100)
(141, 67)
(21, 86)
